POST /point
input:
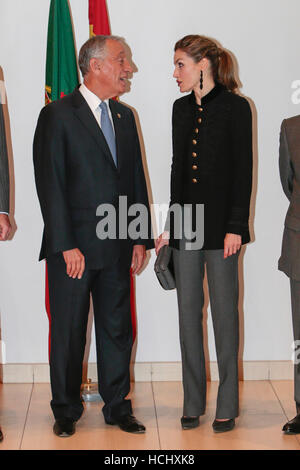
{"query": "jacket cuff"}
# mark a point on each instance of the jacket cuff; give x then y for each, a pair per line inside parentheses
(236, 229)
(149, 243)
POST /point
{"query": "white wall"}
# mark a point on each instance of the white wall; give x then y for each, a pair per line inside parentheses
(264, 36)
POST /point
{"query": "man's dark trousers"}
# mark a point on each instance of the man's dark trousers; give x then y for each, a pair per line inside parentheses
(69, 307)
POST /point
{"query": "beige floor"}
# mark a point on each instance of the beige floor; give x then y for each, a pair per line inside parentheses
(27, 422)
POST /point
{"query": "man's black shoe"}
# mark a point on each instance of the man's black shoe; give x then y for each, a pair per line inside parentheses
(223, 426)
(1, 435)
(64, 427)
(128, 423)
(293, 426)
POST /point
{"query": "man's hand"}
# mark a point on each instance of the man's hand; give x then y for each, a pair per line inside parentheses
(138, 258)
(232, 244)
(75, 263)
(5, 227)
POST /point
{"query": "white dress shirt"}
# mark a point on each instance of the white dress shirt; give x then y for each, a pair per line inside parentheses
(94, 101)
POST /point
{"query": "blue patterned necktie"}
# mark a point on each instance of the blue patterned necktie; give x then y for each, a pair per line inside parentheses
(107, 129)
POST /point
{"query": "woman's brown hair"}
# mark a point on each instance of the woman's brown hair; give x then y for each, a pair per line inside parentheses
(198, 47)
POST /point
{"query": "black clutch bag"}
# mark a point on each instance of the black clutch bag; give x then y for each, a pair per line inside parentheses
(164, 268)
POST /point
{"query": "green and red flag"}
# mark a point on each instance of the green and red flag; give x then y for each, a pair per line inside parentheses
(61, 63)
(61, 71)
(98, 18)
(99, 24)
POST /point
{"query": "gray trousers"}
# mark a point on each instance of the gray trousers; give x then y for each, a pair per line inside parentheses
(295, 298)
(222, 275)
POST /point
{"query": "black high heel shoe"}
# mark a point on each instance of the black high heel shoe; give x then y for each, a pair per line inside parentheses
(189, 422)
(293, 426)
(223, 426)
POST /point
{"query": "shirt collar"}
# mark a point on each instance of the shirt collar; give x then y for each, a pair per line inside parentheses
(92, 100)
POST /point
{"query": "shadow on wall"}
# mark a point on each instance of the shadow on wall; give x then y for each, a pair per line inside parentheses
(150, 196)
(149, 190)
(252, 209)
(4, 101)
(1, 354)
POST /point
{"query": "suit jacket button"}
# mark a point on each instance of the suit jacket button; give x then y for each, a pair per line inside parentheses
(194, 142)
(194, 167)
(196, 130)
(194, 180)
(199, 120)
(194, 154)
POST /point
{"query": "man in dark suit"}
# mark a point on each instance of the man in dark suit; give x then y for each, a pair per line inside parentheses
(5, 226)
(289, 262)
(87, 155)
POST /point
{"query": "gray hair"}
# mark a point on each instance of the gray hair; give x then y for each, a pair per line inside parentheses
(94, 47)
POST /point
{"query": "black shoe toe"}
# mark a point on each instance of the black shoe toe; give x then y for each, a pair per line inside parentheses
(64, 427)
(223, 426)
(293, 426)
(128, 423)
(189, 422)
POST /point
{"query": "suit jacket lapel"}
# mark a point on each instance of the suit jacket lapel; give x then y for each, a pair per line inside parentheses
(85, 115)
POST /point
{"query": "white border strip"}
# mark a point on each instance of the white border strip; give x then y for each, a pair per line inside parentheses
(152, 372)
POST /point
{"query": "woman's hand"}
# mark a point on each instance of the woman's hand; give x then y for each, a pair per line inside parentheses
(5, 227)
(232, 244)
(162, 240)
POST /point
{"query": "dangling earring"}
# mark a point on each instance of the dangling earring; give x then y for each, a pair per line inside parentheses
(201, 79)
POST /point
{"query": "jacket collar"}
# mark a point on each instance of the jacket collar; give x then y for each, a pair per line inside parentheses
(214, 92)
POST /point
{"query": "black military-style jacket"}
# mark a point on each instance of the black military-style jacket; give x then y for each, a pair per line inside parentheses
(212, 162)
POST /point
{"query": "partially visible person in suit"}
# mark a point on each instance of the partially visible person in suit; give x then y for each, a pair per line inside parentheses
(289, 261)
(212, 166)
(5, 226)
(86, 155)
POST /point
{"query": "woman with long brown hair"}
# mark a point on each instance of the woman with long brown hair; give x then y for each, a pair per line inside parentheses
(212, 167)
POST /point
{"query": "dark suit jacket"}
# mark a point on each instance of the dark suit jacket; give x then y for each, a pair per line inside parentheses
(4, 174)
(289, 166)
(75, 173)
(212, 162)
